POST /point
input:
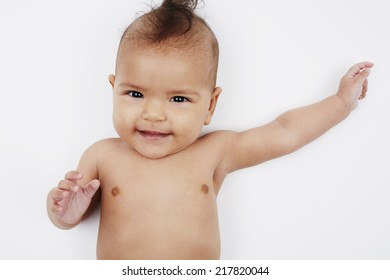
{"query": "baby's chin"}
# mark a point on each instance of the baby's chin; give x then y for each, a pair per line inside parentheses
(151, 155)
(157, 148)
(156, 154)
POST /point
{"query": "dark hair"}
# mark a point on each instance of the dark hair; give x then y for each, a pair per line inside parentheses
(172, 18)
(173, 24)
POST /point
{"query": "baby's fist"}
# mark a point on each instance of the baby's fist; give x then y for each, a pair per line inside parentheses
(353, 85)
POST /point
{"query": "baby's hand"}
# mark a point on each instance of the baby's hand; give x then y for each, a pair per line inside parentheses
(353, 85)
(70, 200)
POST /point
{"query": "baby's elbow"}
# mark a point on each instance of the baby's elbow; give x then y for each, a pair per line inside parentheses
(288, 141)
(288, 145)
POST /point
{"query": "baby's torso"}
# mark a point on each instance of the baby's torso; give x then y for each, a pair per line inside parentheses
(158, 209)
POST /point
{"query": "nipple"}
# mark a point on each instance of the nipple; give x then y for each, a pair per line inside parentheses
(115, 191)
(204, 188)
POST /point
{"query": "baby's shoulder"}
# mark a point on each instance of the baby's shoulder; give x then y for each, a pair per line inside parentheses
(104, 146)
(94, 155)
(218, 137)
(107, 143)
(217, 141)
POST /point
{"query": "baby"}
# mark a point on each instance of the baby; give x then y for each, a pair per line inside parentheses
(158, 182)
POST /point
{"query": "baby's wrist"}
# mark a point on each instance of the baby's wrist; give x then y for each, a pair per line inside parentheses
(344, 104)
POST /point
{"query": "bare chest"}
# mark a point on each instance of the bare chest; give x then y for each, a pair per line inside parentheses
(152, 181)
(159, 203)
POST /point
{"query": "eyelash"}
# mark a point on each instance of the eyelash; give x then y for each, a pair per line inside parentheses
(176, 99)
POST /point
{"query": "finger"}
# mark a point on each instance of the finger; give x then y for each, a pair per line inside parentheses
(364, 89)
(58, 194)
(91, 188)
(73, 175)
(68, 185)
(357, 68)
(365, 85)
(57, 210)
(55, 205)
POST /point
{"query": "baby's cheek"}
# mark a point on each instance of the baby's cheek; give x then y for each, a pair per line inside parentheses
(191, 133)
(122, 122)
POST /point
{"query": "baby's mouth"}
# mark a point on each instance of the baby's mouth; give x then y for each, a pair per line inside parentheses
(153, 135)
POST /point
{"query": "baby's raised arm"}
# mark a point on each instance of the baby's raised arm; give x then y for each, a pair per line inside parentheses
(297, 127)
(67, 204)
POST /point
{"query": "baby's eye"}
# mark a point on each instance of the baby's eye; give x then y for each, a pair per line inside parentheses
(135, 94)
(179, 99)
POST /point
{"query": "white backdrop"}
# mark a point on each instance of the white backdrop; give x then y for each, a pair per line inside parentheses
(330, 200)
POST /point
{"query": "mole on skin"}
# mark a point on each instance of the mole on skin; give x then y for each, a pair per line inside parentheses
(115, 191)
(204, 188)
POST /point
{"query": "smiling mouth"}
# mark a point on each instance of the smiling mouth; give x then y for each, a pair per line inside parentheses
(153, 135)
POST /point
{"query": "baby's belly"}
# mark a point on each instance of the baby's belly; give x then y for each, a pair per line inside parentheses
(156, 226)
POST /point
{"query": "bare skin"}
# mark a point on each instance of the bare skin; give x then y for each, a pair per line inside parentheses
(159, 181)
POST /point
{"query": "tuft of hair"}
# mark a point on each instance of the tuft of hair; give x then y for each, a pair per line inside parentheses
(174, 23)
(172, 18)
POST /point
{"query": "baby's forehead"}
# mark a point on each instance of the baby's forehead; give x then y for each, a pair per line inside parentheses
(165, 63)
(196, 50)
(197, 53)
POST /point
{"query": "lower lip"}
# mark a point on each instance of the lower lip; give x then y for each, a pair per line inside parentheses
(152, 135)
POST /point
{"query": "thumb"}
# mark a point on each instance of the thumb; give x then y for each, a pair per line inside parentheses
(90, 188)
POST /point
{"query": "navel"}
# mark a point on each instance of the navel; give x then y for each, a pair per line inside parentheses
(204, 188)
(115, 191)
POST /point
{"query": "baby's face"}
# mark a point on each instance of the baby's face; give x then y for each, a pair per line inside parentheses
(162, 99)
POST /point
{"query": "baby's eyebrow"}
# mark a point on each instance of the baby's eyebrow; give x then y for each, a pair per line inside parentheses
(132, 86)
(184, 92)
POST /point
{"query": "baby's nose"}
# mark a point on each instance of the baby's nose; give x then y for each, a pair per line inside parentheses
(154, 111)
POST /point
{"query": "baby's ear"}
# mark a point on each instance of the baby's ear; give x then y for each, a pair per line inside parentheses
(213, 103)
(111, 79)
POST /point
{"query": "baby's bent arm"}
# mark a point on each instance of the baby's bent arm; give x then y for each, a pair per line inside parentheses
(71, 201)
(297, 127)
